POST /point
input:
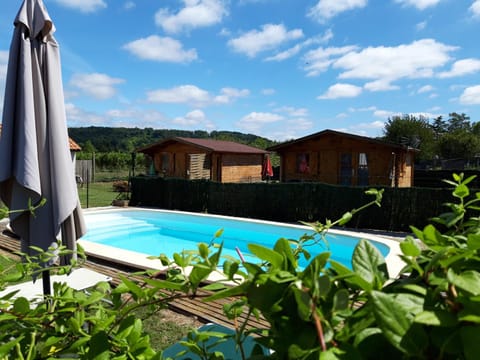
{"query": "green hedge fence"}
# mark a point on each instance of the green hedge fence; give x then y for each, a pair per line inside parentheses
(291, 202)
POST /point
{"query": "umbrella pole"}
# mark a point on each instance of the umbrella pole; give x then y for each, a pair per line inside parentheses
(47, 290)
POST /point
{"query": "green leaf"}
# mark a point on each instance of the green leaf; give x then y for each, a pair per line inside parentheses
(409, 247)
(266, 254)
(21, 305)
(228, 292)
(179, 260)
(303, 302)
(99, 347)
(3, 211)
(134, 288)
(470, 336)
(397, 325)
(126, 327)
(164, 284)
(473, 241)
(469, 281)
(199, 273)
(345, 218)
(323, 285)
(436, 318)
(203, 250)
(218, 233)
(349, 276)
(7, 347)
(283, 247)
(214, 287)
(461, 191)
(369, 264)
(341, 300)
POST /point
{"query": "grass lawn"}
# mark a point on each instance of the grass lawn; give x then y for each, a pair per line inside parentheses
(99, 194)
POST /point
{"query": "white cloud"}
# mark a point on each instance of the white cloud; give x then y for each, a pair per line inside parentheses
(187, 94)
(129, 5)
(421, 26)
(415, 60)
(380, 85)
(382, 65)
(98, 86)
(341, 91)
(385, 114)
(425, 89)
(269, 37)
(285, 54)
(227, 95)
(319, 60)
(471, 96)
(84, 6)
(194, 14)
(294, 50)
(163, 49)
(194, 119)
(462, 67)
(419, 4)
(475, 8)
(77, 117)
(268, 91)
(255, 120)
(292, 111)
(194, 96)
(327, 9)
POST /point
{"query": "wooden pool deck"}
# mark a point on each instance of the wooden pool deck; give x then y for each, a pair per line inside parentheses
(206, 312)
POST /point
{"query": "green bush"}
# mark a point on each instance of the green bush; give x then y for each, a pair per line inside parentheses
(328, 311)
(325, 311)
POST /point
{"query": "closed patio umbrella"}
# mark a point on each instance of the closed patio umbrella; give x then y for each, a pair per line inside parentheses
(267, 170)
(35, 160)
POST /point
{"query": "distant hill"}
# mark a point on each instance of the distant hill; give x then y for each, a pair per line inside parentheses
(107, 139)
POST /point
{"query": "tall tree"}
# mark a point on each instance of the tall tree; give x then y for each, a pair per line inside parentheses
(411, 131)
(439, 126)
(458, 122)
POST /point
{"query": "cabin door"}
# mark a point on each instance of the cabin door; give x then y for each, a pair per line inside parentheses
(346, 169)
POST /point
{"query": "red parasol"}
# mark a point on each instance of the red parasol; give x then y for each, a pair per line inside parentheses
(267, 168)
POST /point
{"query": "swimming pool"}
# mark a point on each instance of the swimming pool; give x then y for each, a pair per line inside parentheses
(127, 233)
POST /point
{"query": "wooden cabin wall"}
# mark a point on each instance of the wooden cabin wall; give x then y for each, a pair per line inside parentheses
(241, 168)
(178, 160)
(324, 161)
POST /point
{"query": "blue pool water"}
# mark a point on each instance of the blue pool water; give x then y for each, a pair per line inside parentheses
(154, 232)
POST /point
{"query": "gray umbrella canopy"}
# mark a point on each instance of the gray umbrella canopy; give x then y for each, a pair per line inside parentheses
(35, 159)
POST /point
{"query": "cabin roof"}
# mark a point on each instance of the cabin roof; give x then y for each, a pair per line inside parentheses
(327, 132)
(209, 145)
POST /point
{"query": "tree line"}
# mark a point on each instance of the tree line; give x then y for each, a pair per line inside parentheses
(113, 147)
(453, 138)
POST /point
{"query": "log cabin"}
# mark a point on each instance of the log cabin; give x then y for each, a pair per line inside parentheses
(215, 160)
(339, 158)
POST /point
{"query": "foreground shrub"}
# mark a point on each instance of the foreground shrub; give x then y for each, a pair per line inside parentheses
(324, 311)
(329, 311)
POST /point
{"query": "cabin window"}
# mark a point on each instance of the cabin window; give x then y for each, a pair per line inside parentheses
(303, 163)
(362, 170)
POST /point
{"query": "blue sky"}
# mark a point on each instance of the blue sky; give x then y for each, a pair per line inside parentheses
(275, 68)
